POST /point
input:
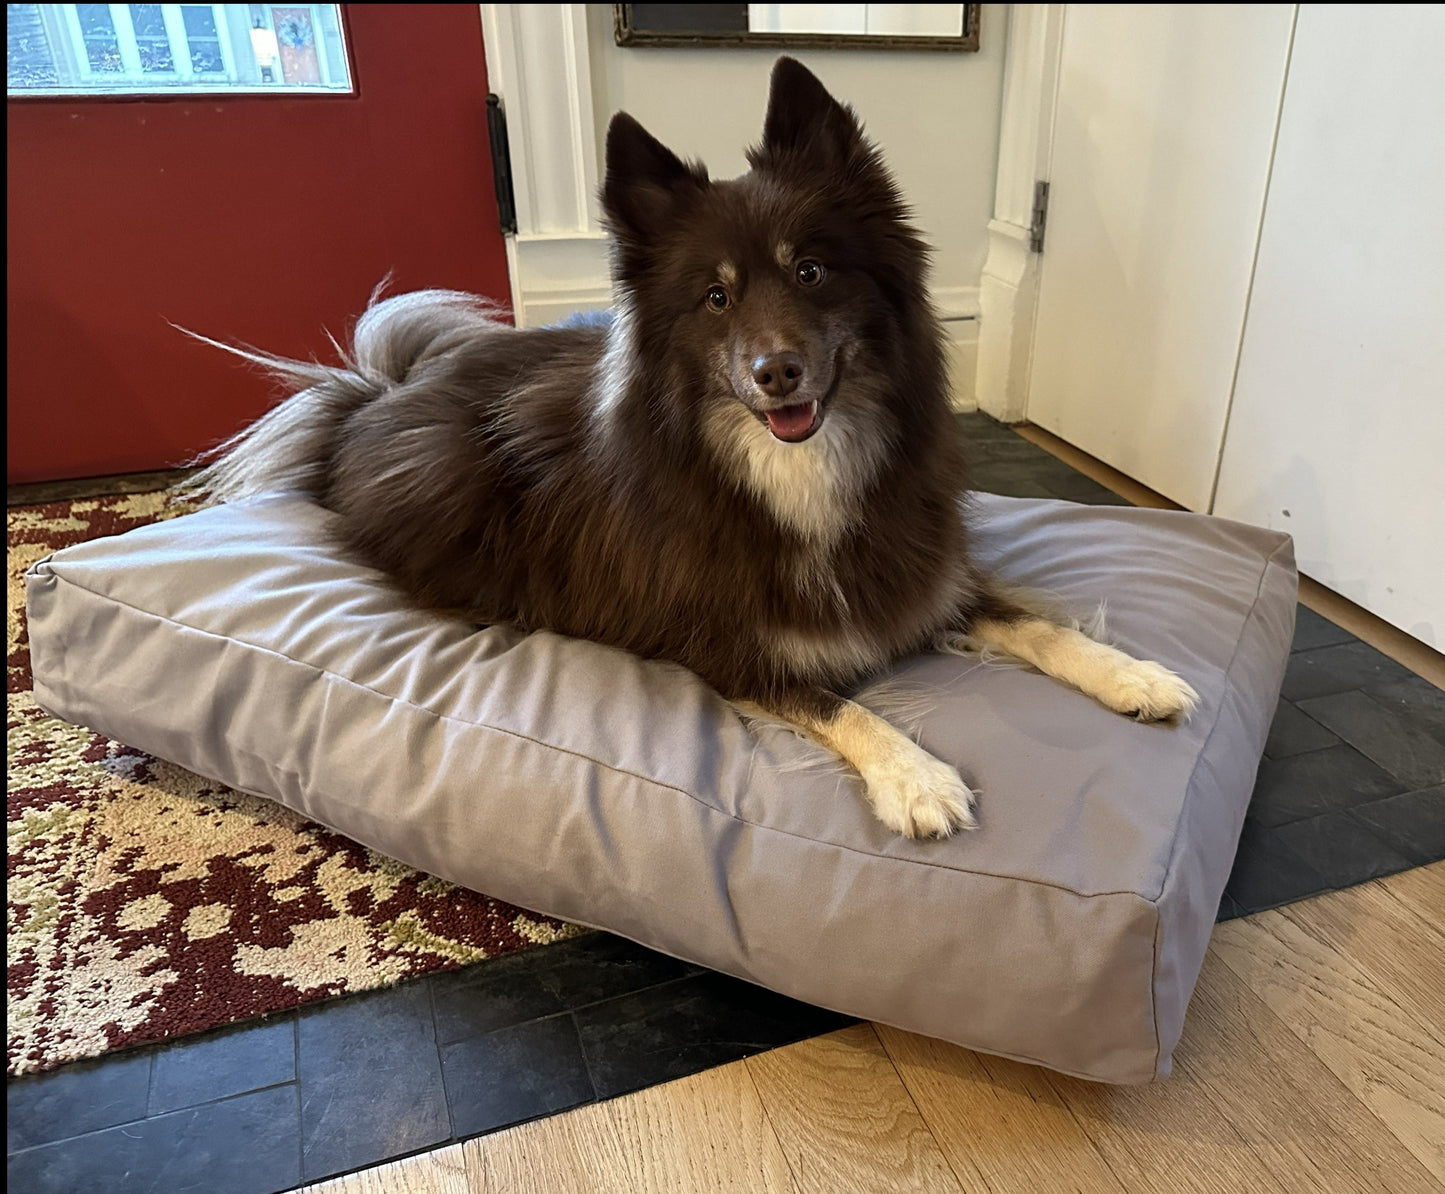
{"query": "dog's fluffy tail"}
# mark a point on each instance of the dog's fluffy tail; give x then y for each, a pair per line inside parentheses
(290, 448)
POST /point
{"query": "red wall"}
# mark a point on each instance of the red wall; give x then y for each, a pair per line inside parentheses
(261, 220)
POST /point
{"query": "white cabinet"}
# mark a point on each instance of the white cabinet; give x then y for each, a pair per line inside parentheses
(1163, 127)
(1337, 431)
(1242, 292)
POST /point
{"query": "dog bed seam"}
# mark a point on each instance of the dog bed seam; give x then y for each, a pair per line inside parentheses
(1270, 563)
(40, 571)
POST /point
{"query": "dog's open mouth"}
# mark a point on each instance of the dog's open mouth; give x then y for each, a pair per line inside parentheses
(793, 424)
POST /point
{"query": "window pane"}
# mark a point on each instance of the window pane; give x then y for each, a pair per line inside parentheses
(147, 20)
(199, 21)
(75, 49)
(206, 57)
(202, 39)
(97, 32)
(151, 38)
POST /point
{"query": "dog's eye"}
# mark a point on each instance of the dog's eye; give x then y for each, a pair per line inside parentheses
(809, 273)
(717, 298)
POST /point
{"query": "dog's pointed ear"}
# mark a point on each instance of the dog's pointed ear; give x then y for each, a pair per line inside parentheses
(645, 180)
(804, 121)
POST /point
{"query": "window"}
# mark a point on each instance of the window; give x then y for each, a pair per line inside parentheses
(110, 49)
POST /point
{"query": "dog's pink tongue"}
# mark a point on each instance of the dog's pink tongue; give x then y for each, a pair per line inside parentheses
(792, 423)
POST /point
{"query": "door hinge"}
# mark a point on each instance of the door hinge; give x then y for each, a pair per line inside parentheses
(501, 163)
(1040, 217)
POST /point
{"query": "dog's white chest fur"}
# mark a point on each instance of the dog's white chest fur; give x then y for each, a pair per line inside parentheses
(812, 488)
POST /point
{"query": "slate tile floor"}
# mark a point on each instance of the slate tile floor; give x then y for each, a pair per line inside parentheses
(1352, 787)
(266, 1106)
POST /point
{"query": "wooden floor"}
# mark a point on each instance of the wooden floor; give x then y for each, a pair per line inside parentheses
(1313, 1060)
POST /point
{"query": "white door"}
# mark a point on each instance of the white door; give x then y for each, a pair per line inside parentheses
(1337, 433)
(1164, 126)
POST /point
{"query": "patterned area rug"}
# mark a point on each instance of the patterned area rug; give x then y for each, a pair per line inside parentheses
(145, 902)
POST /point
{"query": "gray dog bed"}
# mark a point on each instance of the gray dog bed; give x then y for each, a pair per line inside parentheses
(580, 781)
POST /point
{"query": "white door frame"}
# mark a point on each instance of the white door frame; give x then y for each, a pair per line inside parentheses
(538, 62)
(1009, 287)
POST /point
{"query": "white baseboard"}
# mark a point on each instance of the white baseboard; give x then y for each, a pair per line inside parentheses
(955, 302)
(962, 348)
(554, 275)
(546, 307)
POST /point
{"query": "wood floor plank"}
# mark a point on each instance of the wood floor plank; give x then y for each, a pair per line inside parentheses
(696, 1135)
(1396, 949)
(441, 1171)
(1306, 1128)
(704, 1133)
(1422, 890)
(1169, 1136)
(1249, 1107)
(998, 1122)
(845, 1120)
(572, 1153)
(1382, 1053)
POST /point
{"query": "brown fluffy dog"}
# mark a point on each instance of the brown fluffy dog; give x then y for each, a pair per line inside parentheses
(752, 471)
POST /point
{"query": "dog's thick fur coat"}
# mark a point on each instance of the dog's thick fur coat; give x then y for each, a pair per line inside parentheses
(752, 471)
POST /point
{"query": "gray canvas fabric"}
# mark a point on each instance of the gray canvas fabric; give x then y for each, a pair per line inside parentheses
(579, 781)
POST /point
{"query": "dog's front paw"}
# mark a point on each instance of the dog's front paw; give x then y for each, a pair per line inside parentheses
(919, 796)
(1150, 692)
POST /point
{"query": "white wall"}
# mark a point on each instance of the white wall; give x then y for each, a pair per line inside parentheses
(936, 116)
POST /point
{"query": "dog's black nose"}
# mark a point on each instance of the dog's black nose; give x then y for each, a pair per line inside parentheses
(778, 375)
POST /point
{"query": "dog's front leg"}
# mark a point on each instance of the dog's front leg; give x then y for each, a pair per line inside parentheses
(1137, 687)
(911, 792)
